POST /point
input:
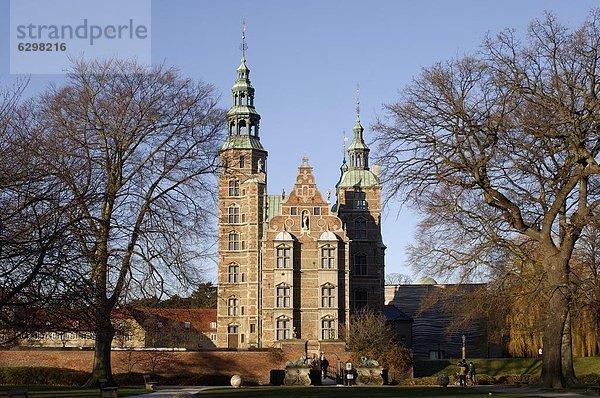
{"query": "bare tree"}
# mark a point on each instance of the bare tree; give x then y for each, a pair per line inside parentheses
(397, 279)
(504, 143)
(34, 245)
(134, 151)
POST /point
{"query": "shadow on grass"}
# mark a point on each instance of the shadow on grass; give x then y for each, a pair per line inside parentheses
(345, 392)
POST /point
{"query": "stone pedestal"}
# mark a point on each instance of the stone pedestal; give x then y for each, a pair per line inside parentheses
(297, 376)
(369, 376)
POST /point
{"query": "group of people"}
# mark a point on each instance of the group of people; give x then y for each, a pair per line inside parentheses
(466, 372)
(321, 364)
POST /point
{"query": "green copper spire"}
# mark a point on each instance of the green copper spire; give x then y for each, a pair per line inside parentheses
(358, 151)
(242, 118)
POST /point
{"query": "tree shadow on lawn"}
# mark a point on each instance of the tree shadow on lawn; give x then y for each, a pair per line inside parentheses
(345, 392)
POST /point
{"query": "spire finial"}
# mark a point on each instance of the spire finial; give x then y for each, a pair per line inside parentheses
(345, 140)
(357, 101)
(244, 46)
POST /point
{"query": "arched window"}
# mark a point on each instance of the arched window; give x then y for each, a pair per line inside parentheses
(361, 298)
(234, 187)
(233, 273)
(328, 328)
(328, 296)
(283, 256)
(233, 214)
(232, 306)
(283, 328)
(360, 264)
(360, 228)
(234, 241)
(232, 328)
(282, 293)
(327, 257)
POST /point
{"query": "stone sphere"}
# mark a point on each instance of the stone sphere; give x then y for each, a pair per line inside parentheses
(236, 381)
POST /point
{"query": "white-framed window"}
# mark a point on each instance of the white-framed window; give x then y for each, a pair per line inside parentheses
(233, 214)
(283, 256)
(328, 328)
(234, 187)
(360, 201)
(283, 296)
(234, 241)
(213, 325)
(360, 265)
(328, 296)
(232, 306)
(233, 273)
(327, 257)
(360, 228)
(213, 336)
(283, 328)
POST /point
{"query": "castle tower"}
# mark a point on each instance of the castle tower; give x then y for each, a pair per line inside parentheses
(242, 189)
(359, 206)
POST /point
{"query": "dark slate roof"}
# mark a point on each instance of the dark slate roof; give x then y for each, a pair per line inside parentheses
(393, 313)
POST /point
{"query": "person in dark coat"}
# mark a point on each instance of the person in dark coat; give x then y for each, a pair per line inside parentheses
(324, 366)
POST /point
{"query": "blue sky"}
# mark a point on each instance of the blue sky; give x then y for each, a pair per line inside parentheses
(306, 58)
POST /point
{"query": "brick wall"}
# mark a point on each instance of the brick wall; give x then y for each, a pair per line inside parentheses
(253, 366)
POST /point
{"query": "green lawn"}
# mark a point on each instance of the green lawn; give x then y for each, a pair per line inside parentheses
(501, 366)
(38, 391)
(346, 392)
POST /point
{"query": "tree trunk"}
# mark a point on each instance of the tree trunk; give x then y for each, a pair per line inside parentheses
(552, 373)
(567, 353)
(104, 335)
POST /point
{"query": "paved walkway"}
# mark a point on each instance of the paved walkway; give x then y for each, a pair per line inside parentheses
(188, 392)
(528, 391)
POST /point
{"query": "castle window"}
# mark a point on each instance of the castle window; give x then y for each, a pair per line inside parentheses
(293, 211)
(283, 257)
(232, 328)
(317, 211)
(283, 328)
(187, 325)
(233, 271)
(283, 296)
(327, 257)
(233, 214)
(360, 264)
(327, 296)
(234, 241)
(361, 298)
(234, 188)
(360, 201)
(213, 336)
(232, 306)
(328, 328)
(213, 325)
(360, 228)
(242, 162)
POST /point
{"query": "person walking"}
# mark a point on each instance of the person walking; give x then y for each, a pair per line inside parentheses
(472, 373)
(324, 366)
(463, 368)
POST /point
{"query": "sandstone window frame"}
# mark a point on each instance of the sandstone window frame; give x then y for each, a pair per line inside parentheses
(282, 327)
(328, 328)
(233, 214)
(328, 291)
(234, 187)
(328, 256)
(233, 241)
(283, 256)
(233, 306)
(233, 273)
(283, 296)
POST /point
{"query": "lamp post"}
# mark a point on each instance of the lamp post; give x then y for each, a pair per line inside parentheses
(464, 347)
